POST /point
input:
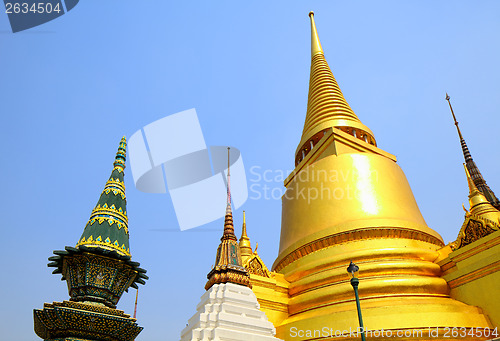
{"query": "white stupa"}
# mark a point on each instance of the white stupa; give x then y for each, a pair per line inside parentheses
(228, 311)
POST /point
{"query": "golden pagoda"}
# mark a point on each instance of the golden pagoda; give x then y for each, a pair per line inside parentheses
(348, 200)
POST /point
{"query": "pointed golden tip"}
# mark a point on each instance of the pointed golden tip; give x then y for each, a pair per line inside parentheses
(244, 229)
(245, 245)
(315, 43)
(447, 97)
(469, 178)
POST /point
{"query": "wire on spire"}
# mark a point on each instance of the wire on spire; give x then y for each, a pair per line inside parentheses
(228, 179)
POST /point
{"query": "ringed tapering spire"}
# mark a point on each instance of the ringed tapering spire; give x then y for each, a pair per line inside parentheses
(472, 168)
(228, 265)
(326, 105)
(479, 205)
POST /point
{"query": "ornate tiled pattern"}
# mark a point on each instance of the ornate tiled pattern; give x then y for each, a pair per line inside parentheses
(79, 321)
(97, 278)
(228, 265)
(107, 227)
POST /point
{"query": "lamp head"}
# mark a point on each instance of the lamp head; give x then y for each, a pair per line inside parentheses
(353, 269)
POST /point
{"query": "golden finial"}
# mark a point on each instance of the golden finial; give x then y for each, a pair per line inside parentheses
(245, 245)
(315, 43)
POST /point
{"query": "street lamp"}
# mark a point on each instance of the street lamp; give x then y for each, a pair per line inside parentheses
(353, 269)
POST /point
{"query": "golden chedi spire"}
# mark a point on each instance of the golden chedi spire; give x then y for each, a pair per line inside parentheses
(228, 265)
(343, 178)
(245, 245)
(350, 200)
(326, 105)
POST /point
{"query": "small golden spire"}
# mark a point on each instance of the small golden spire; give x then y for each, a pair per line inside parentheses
(244, 228)
(245, 246)
(315, 43)
(485, 217)
(479, 205)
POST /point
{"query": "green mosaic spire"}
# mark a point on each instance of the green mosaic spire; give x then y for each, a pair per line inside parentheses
(107, 227)
(98, 270)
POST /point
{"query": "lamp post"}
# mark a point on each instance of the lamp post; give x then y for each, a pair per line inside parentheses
(353, 270)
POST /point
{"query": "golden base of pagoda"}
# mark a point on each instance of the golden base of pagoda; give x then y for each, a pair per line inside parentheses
(400, 289)
(414, 318)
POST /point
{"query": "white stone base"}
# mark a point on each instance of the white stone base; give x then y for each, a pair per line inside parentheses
(229, 312)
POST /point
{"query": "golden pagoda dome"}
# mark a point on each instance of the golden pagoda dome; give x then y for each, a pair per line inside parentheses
(348, 200)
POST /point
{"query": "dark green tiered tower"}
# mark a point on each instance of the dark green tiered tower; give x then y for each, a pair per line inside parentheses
(98, 270)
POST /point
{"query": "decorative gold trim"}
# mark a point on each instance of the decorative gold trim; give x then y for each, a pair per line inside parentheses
(89, 307)
(474, 228)
(115, 183)
(364, 233)
(272, 305)
(476, 274)
(255, 265)
(106, 244)
(111, 214)
(477, 249)
(228, 276)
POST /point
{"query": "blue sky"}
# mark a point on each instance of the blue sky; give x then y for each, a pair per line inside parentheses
(72, 87)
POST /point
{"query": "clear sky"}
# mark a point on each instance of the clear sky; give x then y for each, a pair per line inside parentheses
(72, 87)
